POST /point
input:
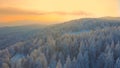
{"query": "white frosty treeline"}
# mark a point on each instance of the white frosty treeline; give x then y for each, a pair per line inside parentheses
(98, 47)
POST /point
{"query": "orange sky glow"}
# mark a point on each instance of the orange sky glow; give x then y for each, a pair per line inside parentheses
(52, 11)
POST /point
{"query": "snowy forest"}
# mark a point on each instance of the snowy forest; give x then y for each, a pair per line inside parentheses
(81, 43)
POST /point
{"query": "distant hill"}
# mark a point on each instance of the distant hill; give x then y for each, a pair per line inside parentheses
(111, 18)
(78, 25)
(87, 24)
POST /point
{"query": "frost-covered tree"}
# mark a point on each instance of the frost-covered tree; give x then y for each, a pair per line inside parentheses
(100, 62)
(109, 61)
(117, 64)
(68, 63)
(59, 65)
(5, 65)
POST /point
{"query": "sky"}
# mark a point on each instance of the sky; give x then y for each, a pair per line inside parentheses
(54, 11)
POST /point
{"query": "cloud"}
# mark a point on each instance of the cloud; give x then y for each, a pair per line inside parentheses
(72, 13)
(14, 11)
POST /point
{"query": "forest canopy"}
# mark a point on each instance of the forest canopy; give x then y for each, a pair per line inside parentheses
(82, 43)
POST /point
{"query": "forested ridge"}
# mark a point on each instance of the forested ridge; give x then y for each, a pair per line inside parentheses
(82, 43)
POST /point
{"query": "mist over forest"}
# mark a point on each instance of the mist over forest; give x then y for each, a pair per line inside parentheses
(81, 43)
